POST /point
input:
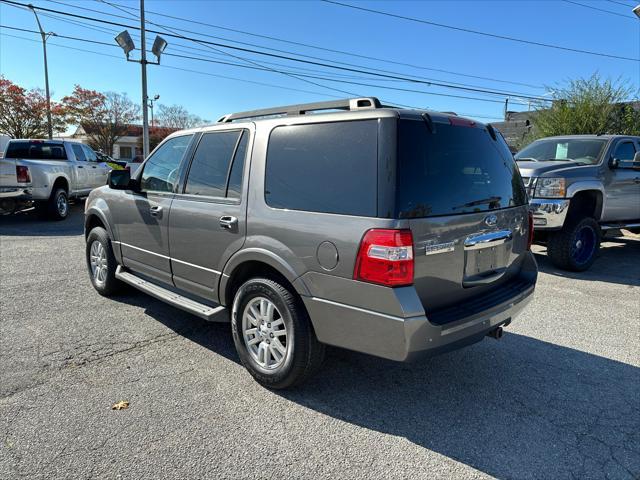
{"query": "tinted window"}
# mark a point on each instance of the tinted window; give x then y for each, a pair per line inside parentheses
(625, 151)
(161, 169)
(36, 150)
(78, 152)
(457, 169)
(234, 189)
(210, 166)
(330, 167)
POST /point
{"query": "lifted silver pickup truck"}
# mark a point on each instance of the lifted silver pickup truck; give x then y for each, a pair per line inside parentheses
(48, 173)
(580, 186)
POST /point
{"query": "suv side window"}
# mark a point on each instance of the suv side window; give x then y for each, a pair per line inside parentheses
(78, 152)
(210, 167)
(625, 151)
(324, 167)
(160, 172)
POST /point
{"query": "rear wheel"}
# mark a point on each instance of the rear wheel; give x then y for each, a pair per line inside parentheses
(58, 204)
(575, 246)
(273, 335)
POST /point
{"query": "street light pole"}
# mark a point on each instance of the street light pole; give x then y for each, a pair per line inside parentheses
(155, 97)
(145, 100)
(46, 73)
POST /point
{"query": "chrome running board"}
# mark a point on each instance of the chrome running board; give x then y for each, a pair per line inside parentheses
(211, 314)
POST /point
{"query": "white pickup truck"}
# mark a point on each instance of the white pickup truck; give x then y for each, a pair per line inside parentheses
(48, 173)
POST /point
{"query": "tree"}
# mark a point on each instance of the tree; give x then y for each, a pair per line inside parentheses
(23, 113)
(176, 116)
(156, 135)
(105, 117)
(589, 106)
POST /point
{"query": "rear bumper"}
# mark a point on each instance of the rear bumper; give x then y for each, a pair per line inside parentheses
(549, 214)
(14, 198)
(16, 193)
(407, 337)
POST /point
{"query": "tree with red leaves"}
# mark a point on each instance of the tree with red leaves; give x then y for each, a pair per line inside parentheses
(23, 113)
(104, 117)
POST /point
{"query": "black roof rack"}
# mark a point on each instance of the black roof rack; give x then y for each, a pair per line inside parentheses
(350, 104)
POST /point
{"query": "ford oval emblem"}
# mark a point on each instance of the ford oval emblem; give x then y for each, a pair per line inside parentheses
(491, 220)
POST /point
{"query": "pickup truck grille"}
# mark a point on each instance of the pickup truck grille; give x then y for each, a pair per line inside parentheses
(503, 294)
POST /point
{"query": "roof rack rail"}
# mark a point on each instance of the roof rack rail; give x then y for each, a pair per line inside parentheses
(363, 103)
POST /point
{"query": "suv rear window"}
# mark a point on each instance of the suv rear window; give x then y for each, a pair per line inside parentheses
(324, 167)
(456, 169)
(36, 150)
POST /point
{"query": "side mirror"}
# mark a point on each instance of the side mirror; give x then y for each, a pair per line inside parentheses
(636, 161)
(121, 180)
(614, 163)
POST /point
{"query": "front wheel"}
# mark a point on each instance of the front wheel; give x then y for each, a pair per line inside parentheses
(575, 247)
(101, 262)
(273, 335)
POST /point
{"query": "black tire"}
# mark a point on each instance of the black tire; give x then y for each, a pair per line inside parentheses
(106, 284)
(304, 354)
(576, 246)
(58, 204)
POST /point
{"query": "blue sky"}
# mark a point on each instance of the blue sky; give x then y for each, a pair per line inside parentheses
(203, 91)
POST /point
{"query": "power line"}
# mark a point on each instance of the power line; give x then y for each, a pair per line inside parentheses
(220, 62)
(306, 45)
(600, 9)
(627, 5)
(118, 57)
(477, 32)
(321, 64)
(430, 80)
(86, 25)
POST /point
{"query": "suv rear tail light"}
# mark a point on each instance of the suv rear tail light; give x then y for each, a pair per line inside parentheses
(386, 258)
(22, 173)
(530, 238)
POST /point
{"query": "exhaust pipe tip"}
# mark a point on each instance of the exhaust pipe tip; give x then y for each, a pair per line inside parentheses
(496, 333)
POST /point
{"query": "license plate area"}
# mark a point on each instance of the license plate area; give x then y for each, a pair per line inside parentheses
(486, 257)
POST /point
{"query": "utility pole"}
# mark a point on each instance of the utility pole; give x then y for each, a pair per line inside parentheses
(506, 107)
(145, 100)
(46, 72)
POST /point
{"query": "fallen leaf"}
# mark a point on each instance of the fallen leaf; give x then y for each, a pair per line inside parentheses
(122, 404)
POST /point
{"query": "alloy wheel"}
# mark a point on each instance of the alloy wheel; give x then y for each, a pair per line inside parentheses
(265, 333)
(98, 261)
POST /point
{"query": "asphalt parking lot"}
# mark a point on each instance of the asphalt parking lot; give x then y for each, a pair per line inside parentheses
(558, 397)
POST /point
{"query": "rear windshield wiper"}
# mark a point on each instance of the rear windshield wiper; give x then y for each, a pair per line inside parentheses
(479, 202)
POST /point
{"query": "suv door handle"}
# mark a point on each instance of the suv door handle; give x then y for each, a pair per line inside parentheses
(228, 222)
(636, 180)
(155, 211)
(80, 166)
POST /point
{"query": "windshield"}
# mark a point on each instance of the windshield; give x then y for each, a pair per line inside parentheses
(581, 150)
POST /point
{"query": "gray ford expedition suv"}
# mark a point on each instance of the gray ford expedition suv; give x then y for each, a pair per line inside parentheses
(386, 231)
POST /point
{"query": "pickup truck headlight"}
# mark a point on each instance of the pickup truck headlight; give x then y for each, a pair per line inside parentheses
(551, 188)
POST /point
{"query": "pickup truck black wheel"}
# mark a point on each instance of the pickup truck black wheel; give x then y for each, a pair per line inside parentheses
(58, 204)
(273, 334)
(102, 263)
(575, 246)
